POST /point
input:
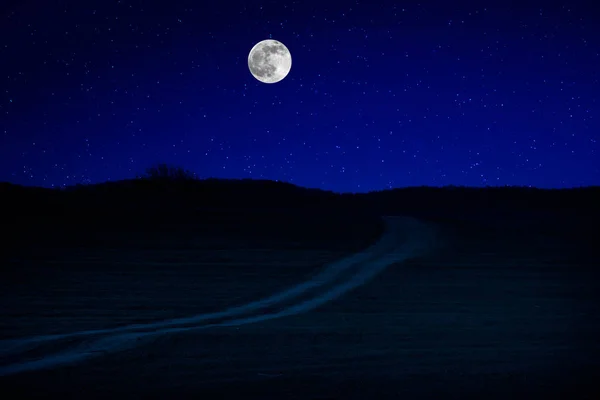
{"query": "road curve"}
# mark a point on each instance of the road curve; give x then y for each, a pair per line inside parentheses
(404, 238)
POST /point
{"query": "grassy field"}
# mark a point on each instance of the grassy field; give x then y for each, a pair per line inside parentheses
(496, 310)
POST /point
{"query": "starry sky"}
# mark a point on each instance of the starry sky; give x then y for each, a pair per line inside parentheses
(381, 94)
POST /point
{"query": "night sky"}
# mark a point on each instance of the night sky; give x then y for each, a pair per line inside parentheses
(380, 94)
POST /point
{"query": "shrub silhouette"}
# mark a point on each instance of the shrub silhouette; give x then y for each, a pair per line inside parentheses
(170, 172)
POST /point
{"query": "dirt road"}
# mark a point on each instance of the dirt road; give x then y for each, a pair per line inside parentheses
(485, 315)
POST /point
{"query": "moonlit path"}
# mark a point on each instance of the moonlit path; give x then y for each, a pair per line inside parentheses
(395, 246)
(328, 274)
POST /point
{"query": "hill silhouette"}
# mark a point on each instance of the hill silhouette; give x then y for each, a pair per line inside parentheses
(172, 194)
(169, 199)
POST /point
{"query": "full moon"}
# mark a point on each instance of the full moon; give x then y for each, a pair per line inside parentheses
(269, 61)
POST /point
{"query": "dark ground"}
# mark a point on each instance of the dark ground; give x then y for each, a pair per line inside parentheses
(100, 272)
(503, 308)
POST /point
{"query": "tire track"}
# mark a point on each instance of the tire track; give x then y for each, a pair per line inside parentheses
(404, 238)
(328, 274)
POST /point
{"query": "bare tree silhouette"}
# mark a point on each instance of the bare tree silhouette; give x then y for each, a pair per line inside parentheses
(170, 172)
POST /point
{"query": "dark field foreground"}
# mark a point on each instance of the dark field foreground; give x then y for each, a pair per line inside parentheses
(497, 309)
(97, 272)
